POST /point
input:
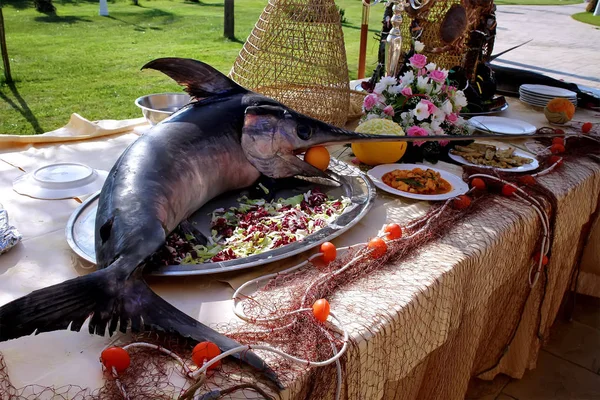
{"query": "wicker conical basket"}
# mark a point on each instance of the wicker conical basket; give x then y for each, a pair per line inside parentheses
(296, 55)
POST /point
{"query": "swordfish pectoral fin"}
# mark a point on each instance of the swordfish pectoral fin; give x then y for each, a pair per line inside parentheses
(199, 79)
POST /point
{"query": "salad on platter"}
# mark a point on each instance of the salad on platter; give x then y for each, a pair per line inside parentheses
(253, 227)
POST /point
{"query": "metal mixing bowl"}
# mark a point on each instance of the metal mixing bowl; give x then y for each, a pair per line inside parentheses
(157, 107)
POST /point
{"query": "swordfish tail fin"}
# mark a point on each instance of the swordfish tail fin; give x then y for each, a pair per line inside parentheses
(110, 302)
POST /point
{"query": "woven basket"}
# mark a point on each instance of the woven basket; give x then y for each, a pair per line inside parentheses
(296, 55)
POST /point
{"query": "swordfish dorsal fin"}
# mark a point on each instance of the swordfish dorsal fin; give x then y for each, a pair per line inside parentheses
(199, 79)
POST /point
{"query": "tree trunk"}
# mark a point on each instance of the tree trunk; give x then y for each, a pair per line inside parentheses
(228, 30)
(4, 50)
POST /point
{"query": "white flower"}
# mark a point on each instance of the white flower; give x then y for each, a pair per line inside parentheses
(419, 46)
(388, 81)
(405, 117)
(394, 89)
(423, 84)
(372, 116)
(379, 88)
(407, 78)
(447, 107)
(459, 100)
(438, 117)
(421, 111)
(435, 88)
(430, 67)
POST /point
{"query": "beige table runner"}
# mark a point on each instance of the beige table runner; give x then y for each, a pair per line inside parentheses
(423, 327)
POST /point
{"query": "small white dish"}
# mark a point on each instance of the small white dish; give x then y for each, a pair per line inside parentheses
(60, 181)
(523, 168)
(458, 185)
(506, 126)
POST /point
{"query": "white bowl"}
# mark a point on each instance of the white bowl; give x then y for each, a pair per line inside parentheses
(60, 181)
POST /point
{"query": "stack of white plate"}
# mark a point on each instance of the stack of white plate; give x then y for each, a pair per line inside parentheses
(540, 95)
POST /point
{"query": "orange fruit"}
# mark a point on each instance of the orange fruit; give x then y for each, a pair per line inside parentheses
(318, 157)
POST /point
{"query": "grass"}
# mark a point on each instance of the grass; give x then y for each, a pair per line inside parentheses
(587, 18)
(537, 2)
(77, 61)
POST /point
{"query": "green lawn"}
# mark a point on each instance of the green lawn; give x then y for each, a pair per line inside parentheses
(80, 62)
(587, 17)
(537, 2)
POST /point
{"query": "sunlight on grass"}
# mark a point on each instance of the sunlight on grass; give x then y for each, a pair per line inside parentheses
(77, 61)
(588, 18)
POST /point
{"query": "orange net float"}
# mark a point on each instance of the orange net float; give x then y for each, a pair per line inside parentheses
(115, 357)
(328, 252)
(206, 351)
(393, 231)
(321, 310)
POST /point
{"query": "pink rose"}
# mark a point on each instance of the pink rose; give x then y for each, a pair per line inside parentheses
(407, 91)
(370, 101)
(422, 72)
(389, 110)
(417, 131)
(444, 143)
(438, 76)
(452, 118)
(418, 61)
(431, 108)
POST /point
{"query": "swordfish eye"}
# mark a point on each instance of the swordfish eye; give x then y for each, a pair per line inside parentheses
(304, 132)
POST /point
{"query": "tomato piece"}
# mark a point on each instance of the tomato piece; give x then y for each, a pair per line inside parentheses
(527, 180)
(508, 190)
(328, 251)
(558, 140)
(321, 310)
(559, 131)
(116, 357)
(377, 247)
(206, 351)
(587, 127)
(478, 184)
(393, 231)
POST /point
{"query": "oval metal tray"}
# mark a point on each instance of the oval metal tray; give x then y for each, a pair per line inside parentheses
(354, 185)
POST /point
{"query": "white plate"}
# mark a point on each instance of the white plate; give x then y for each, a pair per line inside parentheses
(60, 181)
(545, 99)
(507, 126)
(548, 90)
(523, 168)
(458, 185)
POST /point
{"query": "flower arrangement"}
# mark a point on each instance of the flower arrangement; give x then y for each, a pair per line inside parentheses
(423, 100)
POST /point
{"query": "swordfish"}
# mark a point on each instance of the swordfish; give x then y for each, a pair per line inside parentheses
(223, 141)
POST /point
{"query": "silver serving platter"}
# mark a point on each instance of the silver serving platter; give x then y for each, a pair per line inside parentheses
(354, 185)
(476, 114)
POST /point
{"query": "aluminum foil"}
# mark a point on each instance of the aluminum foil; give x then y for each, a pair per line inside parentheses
(9, 235)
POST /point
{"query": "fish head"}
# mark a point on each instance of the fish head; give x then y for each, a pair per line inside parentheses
(273, 135)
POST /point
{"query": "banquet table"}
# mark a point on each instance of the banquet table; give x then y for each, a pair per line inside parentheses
(421, 328)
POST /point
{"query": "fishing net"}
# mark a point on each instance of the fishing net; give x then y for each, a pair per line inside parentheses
(296, 55)
(460, 295)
